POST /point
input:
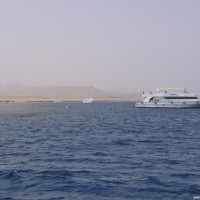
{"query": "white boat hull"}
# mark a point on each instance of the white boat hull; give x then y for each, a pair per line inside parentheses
(88, 100)
(166, 105)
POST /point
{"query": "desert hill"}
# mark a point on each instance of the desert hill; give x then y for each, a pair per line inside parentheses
(75, 93)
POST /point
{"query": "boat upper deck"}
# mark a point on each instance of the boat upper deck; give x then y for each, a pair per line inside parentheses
(169, 92)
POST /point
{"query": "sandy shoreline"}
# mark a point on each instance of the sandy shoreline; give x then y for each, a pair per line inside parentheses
(51, 99)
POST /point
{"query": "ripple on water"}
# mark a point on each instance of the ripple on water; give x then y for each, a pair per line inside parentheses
(103, 151)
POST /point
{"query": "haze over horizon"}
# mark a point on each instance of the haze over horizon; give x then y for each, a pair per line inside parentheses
(116, 45)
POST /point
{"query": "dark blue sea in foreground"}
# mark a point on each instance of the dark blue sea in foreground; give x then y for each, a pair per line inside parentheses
(101, 151)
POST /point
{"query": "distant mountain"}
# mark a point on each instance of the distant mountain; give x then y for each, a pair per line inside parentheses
(12, 86)
(20, 90)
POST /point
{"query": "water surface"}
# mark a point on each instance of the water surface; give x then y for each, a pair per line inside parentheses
(102, 151)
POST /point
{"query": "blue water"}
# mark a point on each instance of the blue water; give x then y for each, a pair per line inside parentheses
(102, 151)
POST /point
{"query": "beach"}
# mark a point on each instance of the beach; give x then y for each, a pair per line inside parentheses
(62, 99)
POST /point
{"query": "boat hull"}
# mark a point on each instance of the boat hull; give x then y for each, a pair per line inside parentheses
(89, 100)
(166, 105)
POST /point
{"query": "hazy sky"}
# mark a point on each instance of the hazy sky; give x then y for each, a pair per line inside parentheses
(126, 45)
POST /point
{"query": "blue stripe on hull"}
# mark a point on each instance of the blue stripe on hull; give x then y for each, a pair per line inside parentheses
(166, 105)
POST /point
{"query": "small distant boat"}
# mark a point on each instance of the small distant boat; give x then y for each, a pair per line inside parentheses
(169, 98)
(88, 100)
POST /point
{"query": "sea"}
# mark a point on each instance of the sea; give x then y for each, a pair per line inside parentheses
(100, 151)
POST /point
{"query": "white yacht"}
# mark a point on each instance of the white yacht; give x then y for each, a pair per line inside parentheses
(88, 100)
(169, 98)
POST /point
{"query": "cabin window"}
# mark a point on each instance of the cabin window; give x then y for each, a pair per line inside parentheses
(152, 99)
(180, 97)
